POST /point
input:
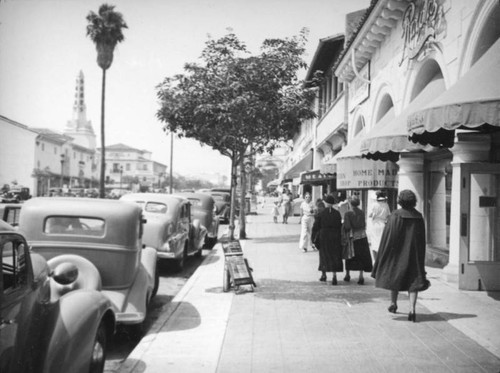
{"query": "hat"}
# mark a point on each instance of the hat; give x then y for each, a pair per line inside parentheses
(329, 199)
(381, 196)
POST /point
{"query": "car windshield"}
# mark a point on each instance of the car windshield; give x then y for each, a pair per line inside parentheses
(155, 207)
(218, 197)
(74, 225)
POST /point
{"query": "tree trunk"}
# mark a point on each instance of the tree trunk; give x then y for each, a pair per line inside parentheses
(233, 196)
(102, 192)
(243, 179)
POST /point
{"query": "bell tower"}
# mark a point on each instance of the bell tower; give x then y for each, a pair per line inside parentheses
(79, 127)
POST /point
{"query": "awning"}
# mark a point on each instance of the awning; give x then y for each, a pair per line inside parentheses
(316, 177)
(389, 137)
(274, 183)
(355, 172)
(473, 102)
(305, 164)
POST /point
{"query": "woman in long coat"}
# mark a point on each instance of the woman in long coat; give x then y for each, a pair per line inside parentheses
(355, 224)
(326, 230)
(400, 263)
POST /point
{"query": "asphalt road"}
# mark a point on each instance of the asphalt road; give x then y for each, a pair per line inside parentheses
(171, 282)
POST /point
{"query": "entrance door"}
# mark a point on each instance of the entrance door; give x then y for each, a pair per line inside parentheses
(480, 227)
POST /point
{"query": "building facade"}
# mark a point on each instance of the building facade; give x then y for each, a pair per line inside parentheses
(423, 114)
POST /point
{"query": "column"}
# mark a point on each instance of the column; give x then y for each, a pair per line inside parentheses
(411, 176)
(468, 148)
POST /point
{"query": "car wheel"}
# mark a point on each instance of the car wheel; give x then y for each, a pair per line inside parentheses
(226, 279)
(98, 357)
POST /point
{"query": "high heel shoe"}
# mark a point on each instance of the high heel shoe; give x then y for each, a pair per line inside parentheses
(412, 316)
(361, 281)
(323, 278)
(334, 281)
(392, 308)
(347, 278)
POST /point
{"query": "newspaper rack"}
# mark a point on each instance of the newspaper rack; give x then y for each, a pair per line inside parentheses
(236, 269)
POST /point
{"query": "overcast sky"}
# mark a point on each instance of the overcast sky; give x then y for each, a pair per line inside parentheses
(43, 46)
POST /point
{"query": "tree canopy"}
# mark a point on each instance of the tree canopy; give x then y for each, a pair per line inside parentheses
(232, 99)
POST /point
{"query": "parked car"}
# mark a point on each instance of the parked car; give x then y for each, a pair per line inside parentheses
(102, 239)
(10, 212)
(203, 208)
(169, 227)
(223, 205)
(47, 323)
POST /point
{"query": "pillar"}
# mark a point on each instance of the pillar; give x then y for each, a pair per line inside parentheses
(411, 175)
(469, 147)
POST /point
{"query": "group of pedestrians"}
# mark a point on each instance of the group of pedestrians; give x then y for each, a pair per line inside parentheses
(398, 243)
(285, 203)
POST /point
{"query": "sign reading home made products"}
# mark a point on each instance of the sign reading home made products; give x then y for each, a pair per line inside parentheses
(362, 173)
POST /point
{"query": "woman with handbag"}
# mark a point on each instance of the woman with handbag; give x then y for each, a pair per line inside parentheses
(355, 225)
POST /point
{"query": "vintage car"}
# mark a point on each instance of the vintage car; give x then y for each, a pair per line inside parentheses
(169, 226)
(203, 208)
(102, 238)
(223, 205)
(47, 324)
(10, 212)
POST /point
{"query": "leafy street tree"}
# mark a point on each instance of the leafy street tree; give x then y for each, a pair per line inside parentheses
(237, 103)
(105, 30)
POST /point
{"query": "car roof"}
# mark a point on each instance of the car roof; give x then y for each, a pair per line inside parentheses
(152, 197)
(201, 196)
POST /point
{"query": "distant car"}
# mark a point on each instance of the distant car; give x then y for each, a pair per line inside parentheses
(10, 212)
(48, 323)
(102, 239)
(223, 205)
(169, 227)
(203, 208)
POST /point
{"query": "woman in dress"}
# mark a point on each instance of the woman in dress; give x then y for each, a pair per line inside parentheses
(307, 210)
(326, 230)
(379, 214)
(400, 264)
(286, 201)
(355, 225)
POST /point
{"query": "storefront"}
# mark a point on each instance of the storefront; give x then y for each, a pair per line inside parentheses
(326, 182)
(427, 71)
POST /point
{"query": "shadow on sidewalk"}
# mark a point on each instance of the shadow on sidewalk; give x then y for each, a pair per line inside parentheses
(319, 292)
(439, 316)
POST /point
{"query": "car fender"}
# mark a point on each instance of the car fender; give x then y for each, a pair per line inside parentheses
(73, 324)
(138, 296)
(149, 260)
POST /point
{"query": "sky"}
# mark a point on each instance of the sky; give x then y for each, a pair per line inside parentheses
(43, 47)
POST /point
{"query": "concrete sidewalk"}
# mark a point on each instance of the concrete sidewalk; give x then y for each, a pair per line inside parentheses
(294, 323)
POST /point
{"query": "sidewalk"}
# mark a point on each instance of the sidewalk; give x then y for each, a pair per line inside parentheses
(294, 323)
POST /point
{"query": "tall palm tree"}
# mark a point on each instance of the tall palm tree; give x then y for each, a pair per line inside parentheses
(105, 30)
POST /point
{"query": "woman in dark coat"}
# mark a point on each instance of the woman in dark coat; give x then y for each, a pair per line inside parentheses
(355, 224)
(400, 263)
(326, 231)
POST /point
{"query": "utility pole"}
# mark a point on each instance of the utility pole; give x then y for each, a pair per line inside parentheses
(171, 159)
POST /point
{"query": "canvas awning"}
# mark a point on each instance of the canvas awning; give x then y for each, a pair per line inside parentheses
(389, 137)
(274, 183)
(305, 164)
(473, 103)
(356, 172)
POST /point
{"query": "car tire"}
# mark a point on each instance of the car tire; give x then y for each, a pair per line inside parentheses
(226, 279)
(98, 357)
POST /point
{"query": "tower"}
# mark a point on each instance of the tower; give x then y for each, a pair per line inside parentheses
(79, 128)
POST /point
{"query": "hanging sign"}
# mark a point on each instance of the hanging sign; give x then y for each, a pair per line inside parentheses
(362, 173)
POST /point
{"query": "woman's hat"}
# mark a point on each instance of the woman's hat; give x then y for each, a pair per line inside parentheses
(329, 199)
(381, 196)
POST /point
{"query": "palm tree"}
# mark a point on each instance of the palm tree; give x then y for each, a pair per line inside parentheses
(105, 30)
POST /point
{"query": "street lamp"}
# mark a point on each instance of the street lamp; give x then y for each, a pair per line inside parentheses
(121, 173)
(62, 168)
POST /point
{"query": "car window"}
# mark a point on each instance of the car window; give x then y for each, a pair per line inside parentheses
(156, 207)
(76, 226)
(195, 202)
(14, 269)
(13, 216)
(218, 197)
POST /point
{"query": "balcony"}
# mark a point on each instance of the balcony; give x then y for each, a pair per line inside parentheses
(331, 121)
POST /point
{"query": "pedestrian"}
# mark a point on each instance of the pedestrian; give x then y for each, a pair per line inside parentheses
(355, 226)
(307, 210)
(286, 202)
(275, 211)
(378, 215)
(400, 264)
(326, 230)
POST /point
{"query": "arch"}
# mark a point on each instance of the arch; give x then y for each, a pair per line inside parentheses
(483, 31)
